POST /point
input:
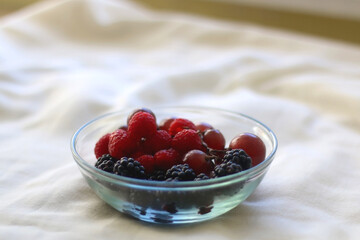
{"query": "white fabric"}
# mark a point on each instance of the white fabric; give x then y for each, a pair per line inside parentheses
(63, 63)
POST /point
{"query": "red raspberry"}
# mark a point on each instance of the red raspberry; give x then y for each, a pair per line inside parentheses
(147, 161)
(120, 144)
(142, 125)
(165, 159)
(180, 124)
(101, 147)
(139, 110)
(186, 140)
(159, 141)
(137, 154)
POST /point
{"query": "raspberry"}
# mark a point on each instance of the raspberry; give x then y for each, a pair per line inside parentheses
(147, 161)
(238, 156)
(142, 125)
(101, 147)
(106, 163)
(137, 154)
(180, 172)
(159, 141)
(128, 167)
(186, 140)
(139, 110)
(165, 159)
(180, 124)
(120, 144)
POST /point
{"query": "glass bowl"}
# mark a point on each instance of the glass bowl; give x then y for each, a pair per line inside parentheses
(173, 202)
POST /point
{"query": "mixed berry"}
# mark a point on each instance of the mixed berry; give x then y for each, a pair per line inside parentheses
(176, 149)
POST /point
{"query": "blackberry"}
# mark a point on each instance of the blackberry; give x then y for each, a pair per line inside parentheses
(106, 163)
(170, 208)
(128, 167)
(227, 168)
(157, 175)
(180, 172)
(238, 156)
(201, 176)
(204, 210)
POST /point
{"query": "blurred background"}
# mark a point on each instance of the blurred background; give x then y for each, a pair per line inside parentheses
(332, 19)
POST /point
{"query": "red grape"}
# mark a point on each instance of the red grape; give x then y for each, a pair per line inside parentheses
(214, 139)
(203, 126)
(252, 145)
(124, 127)
(197, 160)
(165, 123)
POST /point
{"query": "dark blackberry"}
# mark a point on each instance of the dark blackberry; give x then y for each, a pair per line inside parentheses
(238, 156)
(204, 210)
(201, 176)
(170, 208)
(180, 172)
(106, 163)
(128, 167)
(227, 168)
(157, 175)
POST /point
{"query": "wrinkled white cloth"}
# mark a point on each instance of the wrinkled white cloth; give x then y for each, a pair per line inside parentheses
(63, 63)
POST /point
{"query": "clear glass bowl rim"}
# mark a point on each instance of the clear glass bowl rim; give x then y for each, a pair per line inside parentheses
(116, 179)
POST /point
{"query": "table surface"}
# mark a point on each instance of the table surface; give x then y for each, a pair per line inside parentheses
(298, 17)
